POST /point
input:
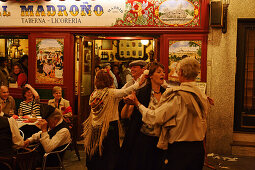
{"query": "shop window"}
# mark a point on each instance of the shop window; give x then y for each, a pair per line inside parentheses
(14, 60)
(245, 77)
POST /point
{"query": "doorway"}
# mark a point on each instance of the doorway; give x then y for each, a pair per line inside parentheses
(93, 52)
(245, 77)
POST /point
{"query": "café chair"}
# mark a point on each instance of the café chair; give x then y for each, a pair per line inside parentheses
(25, 160)
(58, 156)
(21, 133)
(74, 136)
(6, 163)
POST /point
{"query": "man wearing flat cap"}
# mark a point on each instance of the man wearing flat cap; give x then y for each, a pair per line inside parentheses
(137, 67)
(54, 134)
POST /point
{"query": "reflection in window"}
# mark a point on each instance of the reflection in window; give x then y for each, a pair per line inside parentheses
(14, 53)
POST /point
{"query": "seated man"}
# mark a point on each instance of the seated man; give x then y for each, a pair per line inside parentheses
(10, 138)
(8, 103)
(54, 134)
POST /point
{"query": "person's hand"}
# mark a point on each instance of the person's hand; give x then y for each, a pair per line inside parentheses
(28, 86)
(128, 99)
(132, 99)
(42, 124)
(26, 143)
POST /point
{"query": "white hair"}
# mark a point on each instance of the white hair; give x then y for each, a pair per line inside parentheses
(190, 68)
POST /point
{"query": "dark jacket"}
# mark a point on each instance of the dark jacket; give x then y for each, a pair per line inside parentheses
(134, 124)
(5, 138)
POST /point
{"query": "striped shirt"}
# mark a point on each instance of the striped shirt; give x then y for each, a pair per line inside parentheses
(27, 108)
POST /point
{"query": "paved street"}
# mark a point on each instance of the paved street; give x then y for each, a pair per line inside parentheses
(217, 161)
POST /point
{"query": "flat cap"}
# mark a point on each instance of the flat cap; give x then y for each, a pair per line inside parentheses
(46, 110)
(138, 63)
(105, 64)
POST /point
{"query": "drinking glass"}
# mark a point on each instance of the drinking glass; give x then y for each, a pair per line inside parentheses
(20, 113)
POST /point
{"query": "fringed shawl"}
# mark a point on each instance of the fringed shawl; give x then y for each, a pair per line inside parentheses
(97, 124)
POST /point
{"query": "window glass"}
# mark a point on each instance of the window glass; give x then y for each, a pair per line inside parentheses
(14, 60)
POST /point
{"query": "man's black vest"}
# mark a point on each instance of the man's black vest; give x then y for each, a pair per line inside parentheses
(5, 137)
(53, 132)
(62, 125)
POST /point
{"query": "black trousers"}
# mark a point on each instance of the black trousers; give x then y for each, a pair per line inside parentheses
(184, 156)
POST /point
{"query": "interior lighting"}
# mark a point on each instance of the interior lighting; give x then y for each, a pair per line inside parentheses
(145, 42)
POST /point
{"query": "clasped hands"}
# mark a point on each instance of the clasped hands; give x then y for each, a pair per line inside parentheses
(131, 99)
(43, 125)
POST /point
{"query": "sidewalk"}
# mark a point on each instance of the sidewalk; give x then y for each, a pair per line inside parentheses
(230, 162)
(219, 162)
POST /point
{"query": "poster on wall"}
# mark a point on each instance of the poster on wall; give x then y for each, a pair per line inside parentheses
(132, 50)
(182, 49)
(49, 60)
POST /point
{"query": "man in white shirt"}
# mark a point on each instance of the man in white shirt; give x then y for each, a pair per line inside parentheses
(10, 138)
(137, 68)
(54, 134)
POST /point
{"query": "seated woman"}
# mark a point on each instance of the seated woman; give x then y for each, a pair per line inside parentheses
(30, 106)
(58, 102)
(54, 135)
(31, 103)
(18, 75)
(140, 143)
(102, 130)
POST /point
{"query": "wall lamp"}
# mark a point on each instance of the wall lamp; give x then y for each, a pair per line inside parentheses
(225, 15)
(219, 13)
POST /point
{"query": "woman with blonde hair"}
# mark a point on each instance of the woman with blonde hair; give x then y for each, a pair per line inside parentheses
(60, 103)
(102, 130)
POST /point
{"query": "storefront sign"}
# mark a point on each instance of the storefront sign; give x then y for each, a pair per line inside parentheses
(93, 13)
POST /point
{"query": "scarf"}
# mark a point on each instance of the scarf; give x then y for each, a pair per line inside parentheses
(97, 124)
(193, 99)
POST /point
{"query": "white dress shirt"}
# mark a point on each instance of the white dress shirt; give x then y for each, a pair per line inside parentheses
(16, 137)
(61, 138)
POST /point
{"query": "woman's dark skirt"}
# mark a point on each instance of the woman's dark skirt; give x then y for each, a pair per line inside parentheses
(111, 151)
(185, 156)
(145, 154)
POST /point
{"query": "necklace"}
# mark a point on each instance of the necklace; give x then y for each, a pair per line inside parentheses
(157, 92)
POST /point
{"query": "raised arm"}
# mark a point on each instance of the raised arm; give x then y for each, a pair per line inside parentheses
(127, 111)
(161, 114)
(37, 97)
(125, 91)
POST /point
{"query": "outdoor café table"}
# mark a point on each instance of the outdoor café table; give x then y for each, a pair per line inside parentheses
(28, 128)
